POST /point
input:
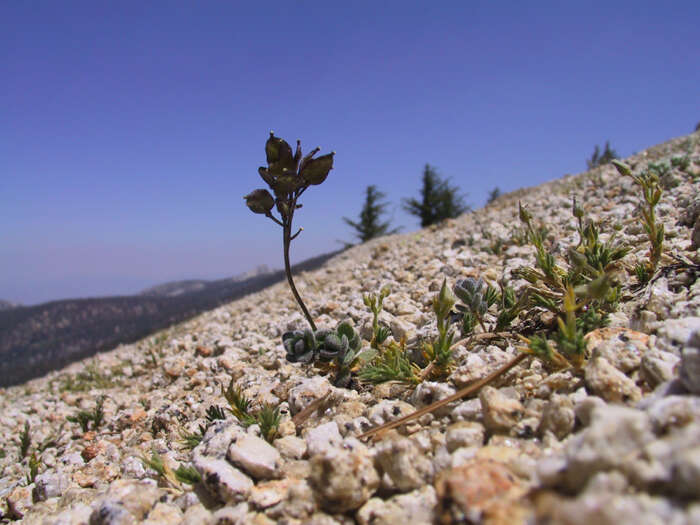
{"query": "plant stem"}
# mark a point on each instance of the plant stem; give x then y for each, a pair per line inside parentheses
(381, 429)
(287, 239)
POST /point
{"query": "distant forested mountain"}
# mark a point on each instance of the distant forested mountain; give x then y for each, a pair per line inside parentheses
(37, 339)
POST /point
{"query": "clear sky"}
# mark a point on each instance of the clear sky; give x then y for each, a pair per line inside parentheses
(130, 130)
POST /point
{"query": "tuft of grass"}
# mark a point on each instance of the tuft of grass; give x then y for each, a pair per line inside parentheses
(190, 440)
(33, 464)
(84, 418)
(268, 418)
(188, 475)
(25, 440)
(215, 412)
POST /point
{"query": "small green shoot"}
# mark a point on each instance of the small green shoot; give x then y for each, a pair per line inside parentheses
(375, 303)
(215, 412)
(391, 364)
(33, 463)
(268, 419)
(24, 440)
(84, 418)
(648, 180)
(188, 475)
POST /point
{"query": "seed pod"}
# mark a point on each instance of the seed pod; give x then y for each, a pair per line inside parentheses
(259, 201)
(315, 171)
(277, 150)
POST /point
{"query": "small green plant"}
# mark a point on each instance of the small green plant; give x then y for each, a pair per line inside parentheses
(188, 475)
(375, 303)
(648, 180)
(25, 440)
(267, 417)
(33, 464)
(288, 175)
(239, 404)
(340, 349)
(215, 412)
(88, 378)
(369, 225)
(477, 298)
(174, 478)
(391, 363)
(570, 342)
(439, 352)
(190, 440)
(84, 418)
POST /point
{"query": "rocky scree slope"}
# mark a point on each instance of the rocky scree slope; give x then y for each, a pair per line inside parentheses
(618, 442)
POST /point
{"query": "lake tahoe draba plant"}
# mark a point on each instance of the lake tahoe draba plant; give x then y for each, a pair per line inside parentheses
(288, 175)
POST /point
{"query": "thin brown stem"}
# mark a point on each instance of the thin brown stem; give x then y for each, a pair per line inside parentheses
(286, 241)
(454, 397)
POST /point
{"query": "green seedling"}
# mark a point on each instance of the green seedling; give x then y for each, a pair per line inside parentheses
(188, 475)
(288, 175)
(648, 180)
(174, 478)
(439, 351)
(267, 417)
(391, 364)
(215, 412)
(190, 440)
(84, 418)
(24, 440)
(33, 464)
(239, 404)
(375, 303)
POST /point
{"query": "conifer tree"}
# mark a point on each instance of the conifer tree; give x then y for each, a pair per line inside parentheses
(369, 225)
(493, 195)
(598, 158)
(438, 200)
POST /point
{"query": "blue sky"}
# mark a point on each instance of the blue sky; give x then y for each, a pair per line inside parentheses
(130, 131)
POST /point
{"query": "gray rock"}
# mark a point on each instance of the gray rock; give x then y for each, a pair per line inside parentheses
(608, 382)
(657, 366)
(686, 473)
(291, 447)
(50, 485)
(690, 369)
(501, 413)
(678, 332)
(402, 460)
(343, 480)
(111, 513)
(558, 416)
(323, 438)
(222, 479)
(464, 434)
(307, 392)
(255, 456)
(469, 410)
(415, 507)
(615, 433)
(428, 392)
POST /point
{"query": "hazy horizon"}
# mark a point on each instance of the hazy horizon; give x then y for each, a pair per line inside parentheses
(131, 131)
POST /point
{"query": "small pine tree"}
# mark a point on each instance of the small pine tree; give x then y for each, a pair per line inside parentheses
(493, 195)
(438, 200)
(598, 158)
(369, 226)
